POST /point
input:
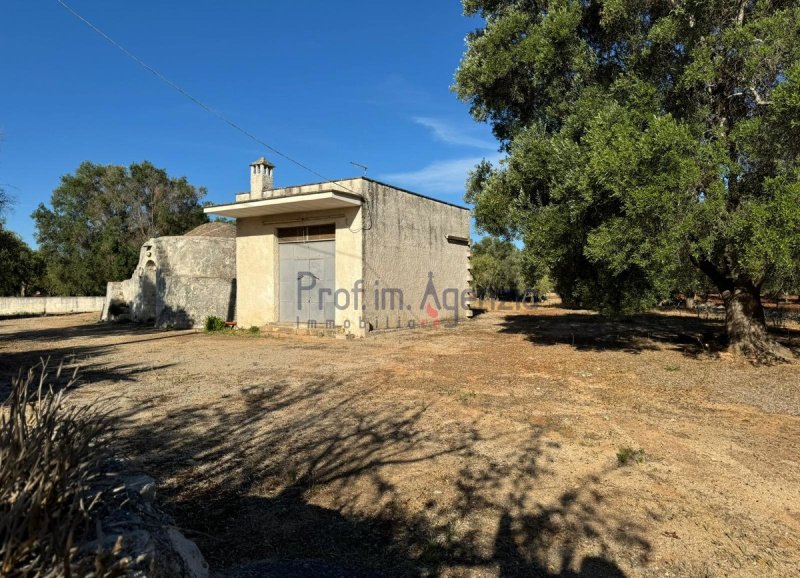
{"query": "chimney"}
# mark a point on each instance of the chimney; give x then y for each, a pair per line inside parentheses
(260, 178)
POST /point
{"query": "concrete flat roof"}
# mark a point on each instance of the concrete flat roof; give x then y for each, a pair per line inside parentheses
(315, 201)
(377, 182)
(340, 186)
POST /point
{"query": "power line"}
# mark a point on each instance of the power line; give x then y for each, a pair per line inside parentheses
(200, 103)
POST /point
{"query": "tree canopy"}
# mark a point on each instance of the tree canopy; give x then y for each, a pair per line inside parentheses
(101, 215)
(499, 270)
(5, 201)
(496, 267)
(645, 139)
(20, 266)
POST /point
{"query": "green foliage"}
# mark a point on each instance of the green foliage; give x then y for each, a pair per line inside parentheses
(22, 268)
(543, 286)
(214, 323)
(254, 330)
(496, 268)
(652, 146)
(101, 215)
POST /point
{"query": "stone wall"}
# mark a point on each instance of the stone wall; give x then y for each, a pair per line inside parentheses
(50, 305)
(178, 282)
(195, 278)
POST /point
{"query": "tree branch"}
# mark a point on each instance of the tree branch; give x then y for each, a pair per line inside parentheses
(742, 9)
(722, 282)
(759, 99)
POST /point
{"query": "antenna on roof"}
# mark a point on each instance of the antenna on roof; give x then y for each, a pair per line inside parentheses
(359, 165)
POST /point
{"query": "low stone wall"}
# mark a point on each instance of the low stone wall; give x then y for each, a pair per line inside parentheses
(183, 302)
(50, 305)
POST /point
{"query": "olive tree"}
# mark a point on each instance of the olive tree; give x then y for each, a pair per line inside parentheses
(101, 215)
(644, 138)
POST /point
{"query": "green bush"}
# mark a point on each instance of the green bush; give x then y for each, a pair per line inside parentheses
(214, 323)
(254, 330)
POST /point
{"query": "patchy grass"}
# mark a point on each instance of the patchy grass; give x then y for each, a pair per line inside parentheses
(629, 456)
(466, 396)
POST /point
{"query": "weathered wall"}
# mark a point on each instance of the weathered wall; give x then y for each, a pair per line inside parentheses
(185, 301)
(257, 262)
(405, 239)
(50, 305)
(393, 242)
(119, 297)
(178, 282)
(195, 278)
(256, 251)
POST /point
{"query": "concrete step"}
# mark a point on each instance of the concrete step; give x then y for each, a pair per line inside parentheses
(295, 329)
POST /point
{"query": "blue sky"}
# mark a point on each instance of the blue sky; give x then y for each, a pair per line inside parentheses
(324, 82)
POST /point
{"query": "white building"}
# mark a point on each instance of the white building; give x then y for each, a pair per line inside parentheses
(356, 254)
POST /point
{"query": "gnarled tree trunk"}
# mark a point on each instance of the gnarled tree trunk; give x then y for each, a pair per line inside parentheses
(746, 327)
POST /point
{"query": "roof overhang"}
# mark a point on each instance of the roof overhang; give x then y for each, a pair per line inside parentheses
(289, 204)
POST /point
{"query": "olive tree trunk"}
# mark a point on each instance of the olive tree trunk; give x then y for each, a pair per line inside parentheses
(746, 327)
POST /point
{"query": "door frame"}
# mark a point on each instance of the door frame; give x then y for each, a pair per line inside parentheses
(303, 234)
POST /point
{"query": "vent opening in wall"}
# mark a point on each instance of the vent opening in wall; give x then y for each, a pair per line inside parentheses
(453, 240)
(304, 234)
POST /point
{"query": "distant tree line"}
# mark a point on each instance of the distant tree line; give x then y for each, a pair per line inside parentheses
(500, 270)
(92, 231)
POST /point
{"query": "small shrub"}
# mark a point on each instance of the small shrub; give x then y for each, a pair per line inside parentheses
(628, 455)
(254, 330)
(214, 323)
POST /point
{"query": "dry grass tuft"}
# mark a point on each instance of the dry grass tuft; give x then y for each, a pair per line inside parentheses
(51, 460)
(629, 455)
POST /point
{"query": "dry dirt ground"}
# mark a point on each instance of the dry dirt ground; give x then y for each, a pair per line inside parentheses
(484, 450)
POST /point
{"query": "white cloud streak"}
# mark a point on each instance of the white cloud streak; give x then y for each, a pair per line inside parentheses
(439, 178)
(449, 134)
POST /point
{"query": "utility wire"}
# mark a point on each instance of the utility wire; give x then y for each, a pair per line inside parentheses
(198, 102)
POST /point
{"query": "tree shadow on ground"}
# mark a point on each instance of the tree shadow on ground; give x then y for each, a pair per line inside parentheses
(592, 332)
(634, 334)
(301, 472)
(83, 330)
(67, 346)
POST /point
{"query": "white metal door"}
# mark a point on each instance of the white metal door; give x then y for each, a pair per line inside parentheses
(307, 282)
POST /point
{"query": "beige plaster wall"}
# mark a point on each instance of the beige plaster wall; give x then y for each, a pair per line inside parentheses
(257, 262)
(405, 239)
